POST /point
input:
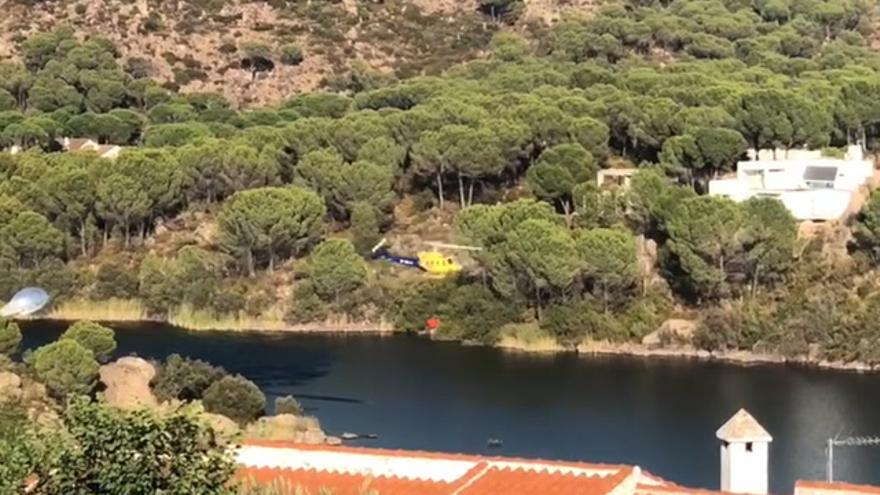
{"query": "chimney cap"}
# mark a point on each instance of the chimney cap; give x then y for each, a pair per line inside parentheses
(742, 427)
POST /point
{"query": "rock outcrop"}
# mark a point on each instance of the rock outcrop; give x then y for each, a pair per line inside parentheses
(10, 387)
(287, 427)
(127, 382)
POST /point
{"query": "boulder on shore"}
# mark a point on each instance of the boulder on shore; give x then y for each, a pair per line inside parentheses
(127, 382)
(10, 387)
(224, 427)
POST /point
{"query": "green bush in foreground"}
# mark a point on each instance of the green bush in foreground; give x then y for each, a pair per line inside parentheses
(66, 367)
(10, 337)
(106, 454)
(235, 397)
(19, 448)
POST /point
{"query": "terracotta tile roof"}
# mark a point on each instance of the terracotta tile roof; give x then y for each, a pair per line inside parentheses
(292, 469)
(434, 455)
(75, 144)
(288, 481)
(838, 488)
(353, 471)
(742, 427)
(497, 481)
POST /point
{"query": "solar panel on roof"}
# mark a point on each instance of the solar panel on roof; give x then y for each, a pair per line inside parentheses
(820, 173)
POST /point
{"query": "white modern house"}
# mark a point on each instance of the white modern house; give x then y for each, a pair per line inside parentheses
(811, 186)
(109, 151)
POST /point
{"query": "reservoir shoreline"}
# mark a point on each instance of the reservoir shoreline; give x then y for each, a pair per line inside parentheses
(130, 313)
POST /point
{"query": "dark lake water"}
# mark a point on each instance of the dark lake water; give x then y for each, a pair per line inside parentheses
(660, 414)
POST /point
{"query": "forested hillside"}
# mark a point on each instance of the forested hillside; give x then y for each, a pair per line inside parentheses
(266, 212)
(196, 46)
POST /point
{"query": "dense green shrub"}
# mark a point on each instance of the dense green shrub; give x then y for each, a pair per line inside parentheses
(320, 104)
(94, 337)
(66, 367)
(103, 443)
(509, 47)
(474, 313)
(235, 397)
(196, 276)
(503, 10)
(305, 306)
(227, 47)
(156, 286)
(184, 378)
(335, 268)
(153, 23)
(415, 304)
(572, 322)
(259, 302)
(364, 227)
(229, 301)
(724, 329)
(57, 278)
(176, 134)
(866, 230)
(565, 322)
(291, 54)
(288, 405)
(115, 280)
(256, 57)
(139, 67)
(10, 337)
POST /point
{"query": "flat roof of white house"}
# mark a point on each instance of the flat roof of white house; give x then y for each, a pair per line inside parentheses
(810, 185)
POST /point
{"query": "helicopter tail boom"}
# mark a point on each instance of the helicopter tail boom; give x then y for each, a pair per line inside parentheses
(379, 245)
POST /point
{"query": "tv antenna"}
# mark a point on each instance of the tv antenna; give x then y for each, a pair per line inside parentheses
(844, 442)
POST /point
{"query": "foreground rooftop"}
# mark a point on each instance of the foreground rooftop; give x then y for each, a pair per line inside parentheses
(353, 470)
(291, 468)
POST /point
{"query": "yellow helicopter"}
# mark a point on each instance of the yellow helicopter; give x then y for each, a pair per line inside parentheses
(432, 262)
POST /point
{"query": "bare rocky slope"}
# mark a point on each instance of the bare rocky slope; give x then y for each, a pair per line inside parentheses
(194, 45)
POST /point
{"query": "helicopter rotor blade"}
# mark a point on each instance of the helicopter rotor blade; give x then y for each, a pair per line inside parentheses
(453, 246)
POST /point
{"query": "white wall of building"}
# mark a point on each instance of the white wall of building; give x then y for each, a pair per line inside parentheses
(729, 188)
(744, 467)
(827, 204)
